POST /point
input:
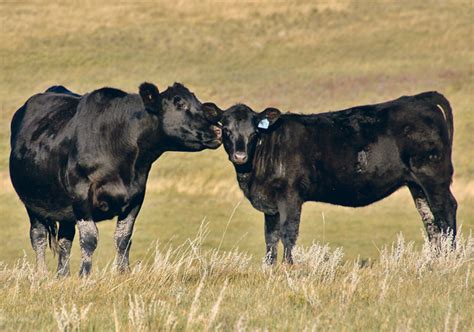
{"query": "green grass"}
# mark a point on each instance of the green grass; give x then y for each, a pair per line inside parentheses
(304, 57)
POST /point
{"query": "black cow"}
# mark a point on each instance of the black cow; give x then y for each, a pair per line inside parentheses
(353, 157)
(78, 160)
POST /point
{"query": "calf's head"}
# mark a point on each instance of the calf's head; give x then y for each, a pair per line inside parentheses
(241, 127)
(187, 124)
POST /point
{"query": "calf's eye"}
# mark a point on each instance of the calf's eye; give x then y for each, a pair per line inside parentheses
(226, 132)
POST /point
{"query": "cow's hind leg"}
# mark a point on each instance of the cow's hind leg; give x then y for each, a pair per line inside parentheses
(66, 234)
(272, 236)
(39, 239)
(88, 238)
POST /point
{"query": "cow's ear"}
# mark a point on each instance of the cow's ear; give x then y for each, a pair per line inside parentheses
(150, 96)
(268, 118)
(212, 112)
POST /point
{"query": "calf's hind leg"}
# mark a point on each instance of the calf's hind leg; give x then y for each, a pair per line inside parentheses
(424, 209)
(444, 207)
(437, 207)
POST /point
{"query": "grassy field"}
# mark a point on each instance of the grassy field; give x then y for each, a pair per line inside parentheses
(309, 57)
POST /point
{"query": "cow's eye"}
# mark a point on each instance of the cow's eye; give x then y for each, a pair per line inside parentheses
(180, 102)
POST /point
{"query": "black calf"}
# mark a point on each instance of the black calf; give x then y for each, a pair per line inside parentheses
(352, 157)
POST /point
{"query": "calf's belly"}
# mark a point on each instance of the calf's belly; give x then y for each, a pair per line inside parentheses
(368, 176)
(356, 197)
(362, 191)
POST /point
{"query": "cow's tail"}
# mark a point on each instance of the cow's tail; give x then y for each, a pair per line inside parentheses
(52, 229)
(443, 104)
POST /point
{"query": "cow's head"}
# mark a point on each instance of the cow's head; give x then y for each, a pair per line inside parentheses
(188, 124)
(241, 127)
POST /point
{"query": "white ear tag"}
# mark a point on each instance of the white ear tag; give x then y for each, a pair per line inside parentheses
(264, 123)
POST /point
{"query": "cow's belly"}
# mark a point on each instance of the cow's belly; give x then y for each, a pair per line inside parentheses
(50, 211)
(45, 198)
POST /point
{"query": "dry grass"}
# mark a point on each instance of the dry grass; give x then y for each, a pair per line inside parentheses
(190, 288)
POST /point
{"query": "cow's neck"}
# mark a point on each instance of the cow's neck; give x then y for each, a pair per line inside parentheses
(152, 141)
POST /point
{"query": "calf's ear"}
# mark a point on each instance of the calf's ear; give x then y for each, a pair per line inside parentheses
(267, 118)
(212, 112)
(150, 96)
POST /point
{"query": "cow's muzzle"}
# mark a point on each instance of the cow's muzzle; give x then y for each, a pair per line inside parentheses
(217, 131)
(239, 158)
(216, 140)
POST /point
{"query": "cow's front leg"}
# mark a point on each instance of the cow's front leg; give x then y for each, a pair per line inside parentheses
(123, 239)
(88, 238)
(65, 237)
(290, 213)
(272, 236)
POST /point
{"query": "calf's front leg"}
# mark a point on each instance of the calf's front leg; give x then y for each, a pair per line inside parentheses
(290, 213)
(272, 236)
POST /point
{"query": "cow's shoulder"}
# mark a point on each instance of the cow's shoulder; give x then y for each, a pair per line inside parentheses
(60, 89)
(107, 104)
(105, 95)
(104, 131)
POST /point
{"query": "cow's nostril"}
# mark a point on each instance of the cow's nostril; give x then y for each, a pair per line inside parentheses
(218, 132)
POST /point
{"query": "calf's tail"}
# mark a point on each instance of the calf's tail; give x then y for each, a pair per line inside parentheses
(443, 104)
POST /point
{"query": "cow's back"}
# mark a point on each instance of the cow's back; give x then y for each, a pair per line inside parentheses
(42, 118)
